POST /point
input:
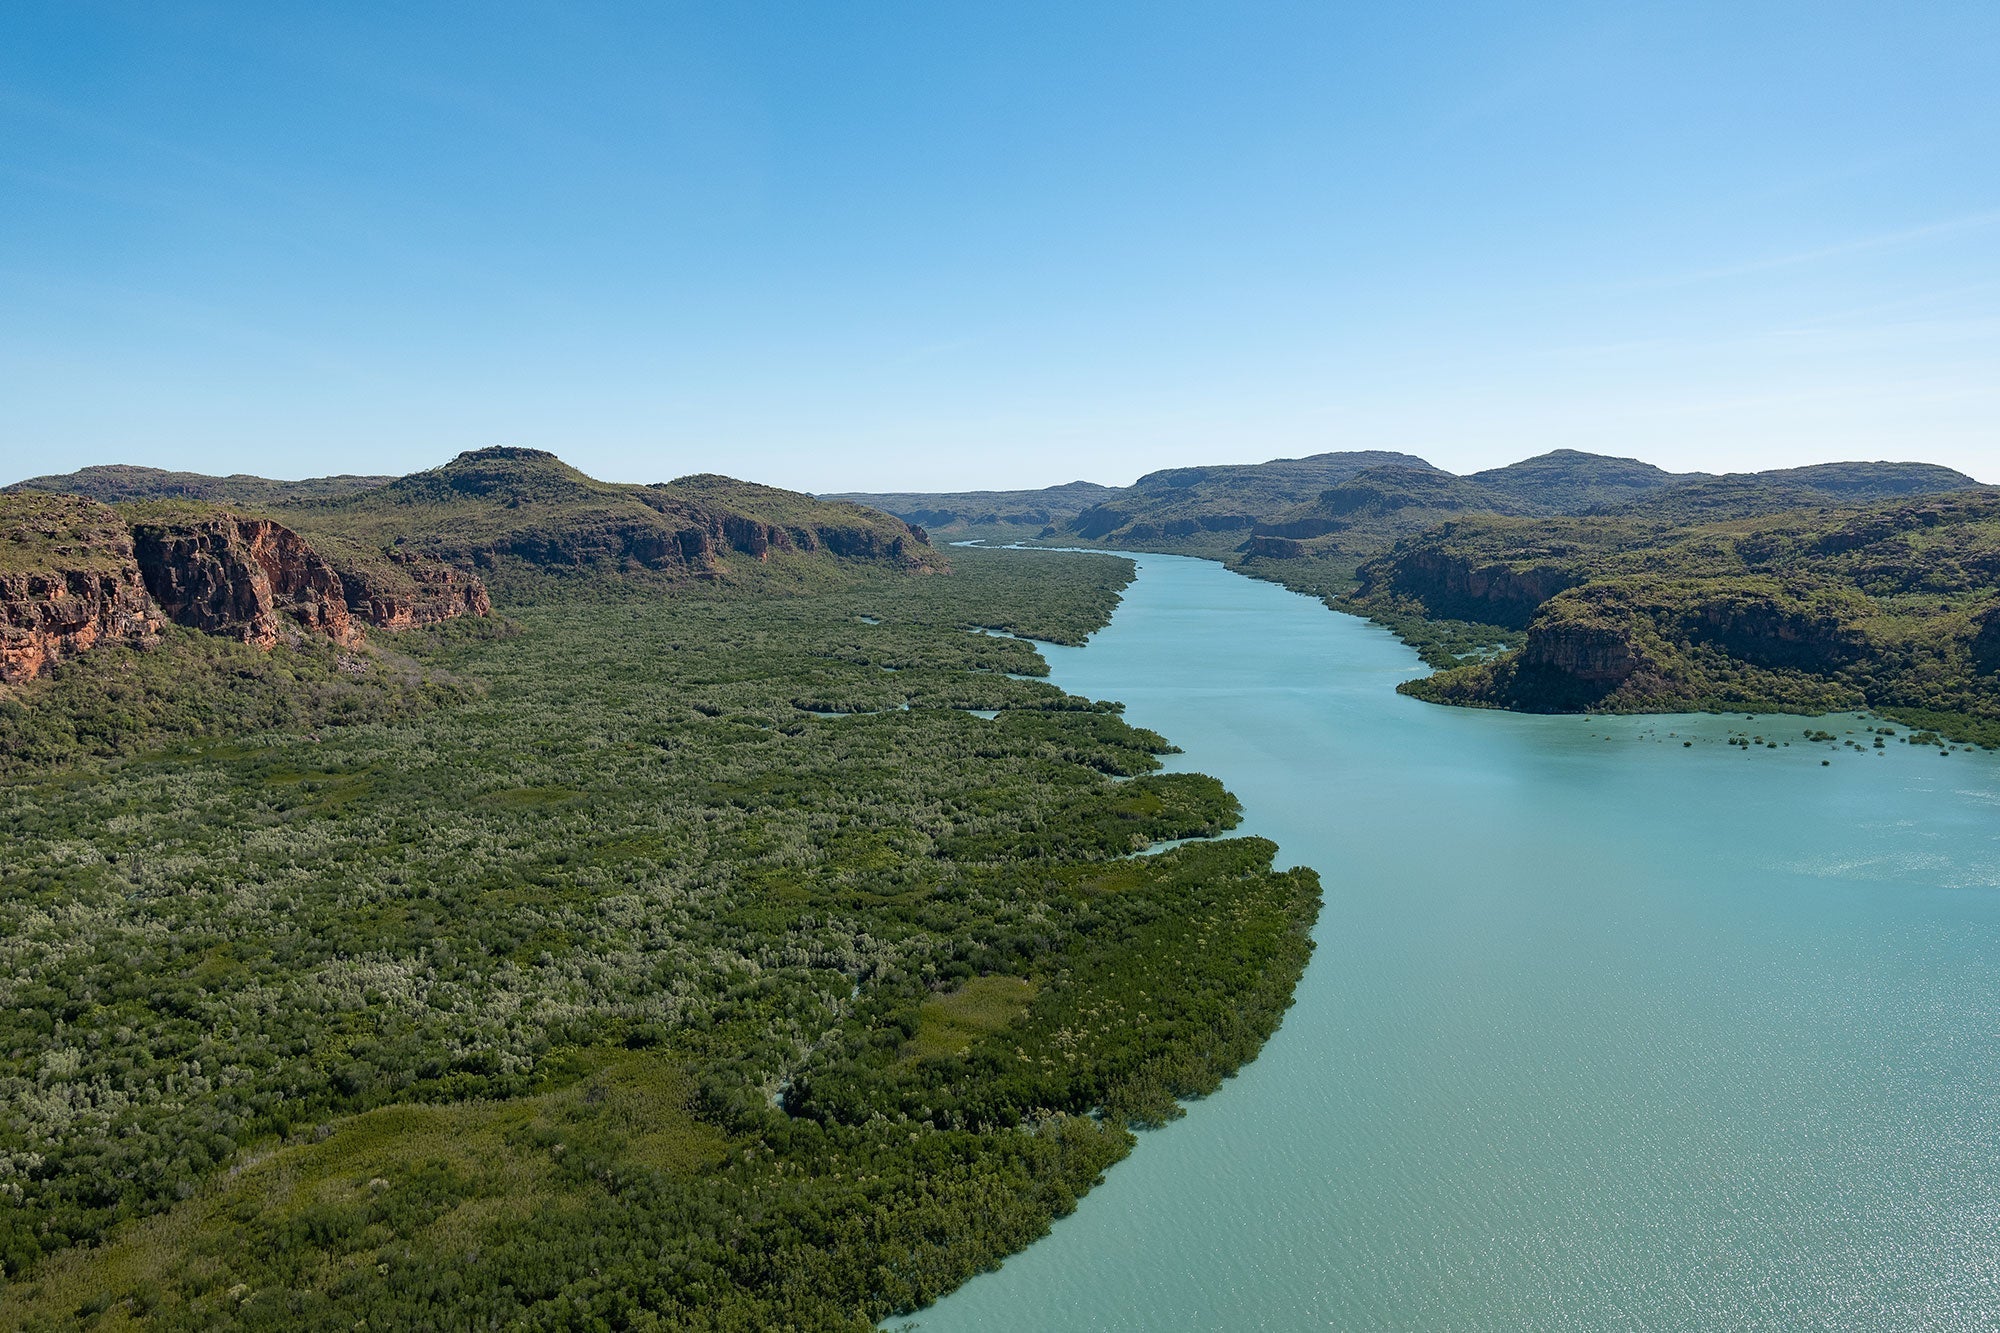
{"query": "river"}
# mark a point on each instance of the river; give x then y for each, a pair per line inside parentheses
(1605, 1030)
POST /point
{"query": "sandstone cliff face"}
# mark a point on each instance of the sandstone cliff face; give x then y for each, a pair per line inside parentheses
(694, 541)
(1772, 630)
(248, 578)
(1454, 587)
(1599, 654)
(1099, 521)
(68, 582)
(410, 592)
(710, 532)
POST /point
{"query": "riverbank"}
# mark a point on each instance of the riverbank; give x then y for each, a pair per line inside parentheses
(1612, 1020)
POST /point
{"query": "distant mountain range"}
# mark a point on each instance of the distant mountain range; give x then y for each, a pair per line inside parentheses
(1337, 504)
(1578, 581)
(1600, 582)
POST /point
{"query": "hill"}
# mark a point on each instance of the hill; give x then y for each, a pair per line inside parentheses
(1607, 582)
(120, 483)
(1311, 522)
(1568, 481)
(1002, 514)
(1703, 498)
(1893, 606)
(1204, 504)
(505, 511)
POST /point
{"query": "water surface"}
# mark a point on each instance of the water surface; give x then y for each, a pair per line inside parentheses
(1604, 1031)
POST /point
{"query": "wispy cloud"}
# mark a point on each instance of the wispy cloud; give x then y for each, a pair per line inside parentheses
(1889, 240)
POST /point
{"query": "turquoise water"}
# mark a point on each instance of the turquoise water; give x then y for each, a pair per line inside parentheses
(1603, 1032)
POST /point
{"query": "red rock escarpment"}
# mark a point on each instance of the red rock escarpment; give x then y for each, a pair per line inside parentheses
(247, 578)
(68, 582)
(412, 592)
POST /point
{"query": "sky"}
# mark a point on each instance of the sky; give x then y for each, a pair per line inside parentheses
(921, 246)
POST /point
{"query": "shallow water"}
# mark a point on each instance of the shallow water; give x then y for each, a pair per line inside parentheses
(1603, 1031)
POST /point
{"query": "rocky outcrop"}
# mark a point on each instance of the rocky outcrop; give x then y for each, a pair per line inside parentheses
(861, 543)
(1099, 521)
(1598, 654)
(743, 518)
(248, 578)
(494, 507)
(68, 582)
(1451, 586)
(1772, 628)
(406, 591)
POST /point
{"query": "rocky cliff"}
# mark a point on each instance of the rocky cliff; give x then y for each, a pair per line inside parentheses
(1450, 584)
(756, 520)
(326, 559)
(68, 582)
(75, 573)
(405, 591)
(1594, 653)
(1889, 605)
(1795, 628)
(248, 578)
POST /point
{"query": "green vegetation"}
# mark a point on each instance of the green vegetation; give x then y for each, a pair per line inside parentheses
(1203, 506)
(948, 1024)
(52, 534)
(121, 483)
(1575, 581)
(1341, 510)
(522, 513)
(515, 516)
(1891, 607)
(567, 971)
(117, 701)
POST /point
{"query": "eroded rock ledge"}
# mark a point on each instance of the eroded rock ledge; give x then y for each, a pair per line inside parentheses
(68, 582)
(75, 573)
(246, 578)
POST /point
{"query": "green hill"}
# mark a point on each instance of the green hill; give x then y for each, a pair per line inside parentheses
(120, 483)
(502, 510)
(1203, 506)
(1607, 582)
(1893, 606)
(1567, 481)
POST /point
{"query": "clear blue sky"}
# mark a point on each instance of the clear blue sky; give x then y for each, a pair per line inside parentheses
(876, 245)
